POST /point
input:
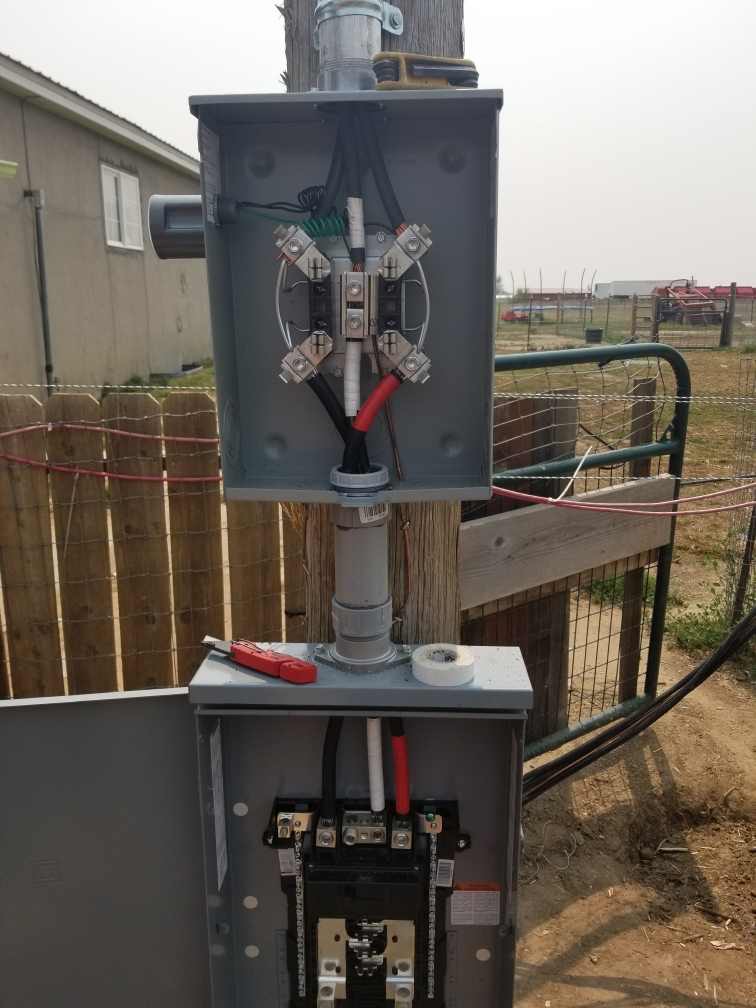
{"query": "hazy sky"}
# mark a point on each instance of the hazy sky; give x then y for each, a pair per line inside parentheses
(628, 131)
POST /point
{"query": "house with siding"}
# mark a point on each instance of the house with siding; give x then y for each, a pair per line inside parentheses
(74, 189)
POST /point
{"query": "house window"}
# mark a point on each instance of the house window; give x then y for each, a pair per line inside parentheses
(123, 208)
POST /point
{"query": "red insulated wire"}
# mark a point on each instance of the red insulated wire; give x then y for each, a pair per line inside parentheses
(102, 474)
(96, 428)
(375, 402)
(401, 774)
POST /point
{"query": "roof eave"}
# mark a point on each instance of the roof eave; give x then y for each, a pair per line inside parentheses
(48, 95)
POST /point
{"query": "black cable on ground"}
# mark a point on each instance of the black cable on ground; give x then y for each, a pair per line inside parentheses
(380, 174)
(330, 751)
(544, 777)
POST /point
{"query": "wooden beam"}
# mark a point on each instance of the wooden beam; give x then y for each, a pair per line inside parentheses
(509, 553)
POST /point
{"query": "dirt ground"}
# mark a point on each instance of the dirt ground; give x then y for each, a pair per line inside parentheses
(606, 917)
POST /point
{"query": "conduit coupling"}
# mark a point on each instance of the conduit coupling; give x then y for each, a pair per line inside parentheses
(347, 36)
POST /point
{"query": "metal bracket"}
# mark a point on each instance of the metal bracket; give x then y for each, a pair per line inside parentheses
(400, 962)
(391, 18)
(332, 966)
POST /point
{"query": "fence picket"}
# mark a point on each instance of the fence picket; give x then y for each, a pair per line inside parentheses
(195, 520)
(81, 536)
(293, 519)
(140, 540)
(254, 558)
(26, 558)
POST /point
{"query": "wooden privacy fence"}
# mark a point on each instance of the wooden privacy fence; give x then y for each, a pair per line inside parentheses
(111, 584)
(118, 554)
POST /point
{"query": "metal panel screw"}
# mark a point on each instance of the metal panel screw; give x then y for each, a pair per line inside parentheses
(411, 363)
(413, 245)
(299, 365)
(294, 247)
(396, 20)
(355, 289)
(401, 839)
(355, 323)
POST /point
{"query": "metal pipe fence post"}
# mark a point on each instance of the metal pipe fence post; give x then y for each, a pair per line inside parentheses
(608, 312)
(728, 321)
(530, 321)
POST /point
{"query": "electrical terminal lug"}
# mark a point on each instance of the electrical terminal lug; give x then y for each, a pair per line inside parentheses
(301, 251)
(412, 364)
(303, 360)
(411, 245)
(289, 824)
(326, 833)
(429, 822)
(363, 829)
(401, 833)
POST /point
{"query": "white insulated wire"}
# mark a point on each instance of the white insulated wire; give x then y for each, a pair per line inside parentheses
(426, 320)
(574, 475)
(356, 217)
(375, 765)
(279, 284)
(352, 365)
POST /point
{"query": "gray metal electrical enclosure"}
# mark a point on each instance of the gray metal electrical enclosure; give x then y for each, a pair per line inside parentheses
(441, 150)
(259, 737)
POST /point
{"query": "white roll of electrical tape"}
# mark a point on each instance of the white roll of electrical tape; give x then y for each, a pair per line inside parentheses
(443, 664)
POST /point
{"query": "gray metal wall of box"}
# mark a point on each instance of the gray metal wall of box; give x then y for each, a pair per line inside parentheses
(465, 744)
(441, 149)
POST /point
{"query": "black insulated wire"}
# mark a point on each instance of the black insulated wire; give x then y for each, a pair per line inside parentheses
(330, 752)
(330, 402)
(380, 173)
(353, 452)
(350, 150)
(327, 203)
(537, 781)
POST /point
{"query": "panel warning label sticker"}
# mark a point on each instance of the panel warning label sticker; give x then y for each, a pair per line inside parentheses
(476, 903)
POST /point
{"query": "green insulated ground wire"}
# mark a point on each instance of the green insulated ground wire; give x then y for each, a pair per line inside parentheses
(318, 227)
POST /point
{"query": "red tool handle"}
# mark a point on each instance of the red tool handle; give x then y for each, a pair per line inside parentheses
(273, 663)
(296, 670)
(252, 657)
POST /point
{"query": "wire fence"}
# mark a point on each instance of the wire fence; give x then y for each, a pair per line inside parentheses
(740, 566)
(536, 323)
(118, 552)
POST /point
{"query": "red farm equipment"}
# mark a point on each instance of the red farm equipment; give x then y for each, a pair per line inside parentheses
(681, 301)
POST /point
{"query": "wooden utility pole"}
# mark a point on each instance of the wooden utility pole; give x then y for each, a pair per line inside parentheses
(425, 584)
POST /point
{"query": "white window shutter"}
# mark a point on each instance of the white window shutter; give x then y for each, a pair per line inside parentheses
(131, 211)
(110, 205)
